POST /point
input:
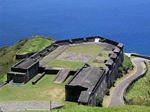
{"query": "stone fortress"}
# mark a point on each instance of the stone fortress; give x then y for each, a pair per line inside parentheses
(91, 79)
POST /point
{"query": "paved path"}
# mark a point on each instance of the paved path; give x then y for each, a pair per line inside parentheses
(117, 96)
(28, 105)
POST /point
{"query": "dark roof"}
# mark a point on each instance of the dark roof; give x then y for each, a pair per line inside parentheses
(26, 63)
(117, 50)
(109, 62)
(113, 55)
(84, 97)
(87, 78)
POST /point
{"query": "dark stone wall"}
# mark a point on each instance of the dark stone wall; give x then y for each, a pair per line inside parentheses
(19, 78)
(112, 73)
(23, 56)
(32, 71)
(51, 71)
(16, 77)
(14, 69)
(72, 93)
(99, 92)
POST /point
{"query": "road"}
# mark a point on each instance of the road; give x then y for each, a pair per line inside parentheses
(28, 105)
(117, 95)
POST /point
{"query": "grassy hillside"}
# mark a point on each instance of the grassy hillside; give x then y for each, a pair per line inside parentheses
(126, 65)
(139, 92)
(45, 90)
(7, 54)
(98, 109)
(34, 44)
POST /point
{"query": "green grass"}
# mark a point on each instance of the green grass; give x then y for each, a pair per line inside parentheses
(78, 50)
(139, 92)
(126, 65)
(45, 90)
(35, 44)
(85, 49)
(65, 64)
(7, 58)
(102, 57)
(98, 109)
(8, 53)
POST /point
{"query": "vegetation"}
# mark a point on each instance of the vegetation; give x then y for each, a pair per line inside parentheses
(45, 90)
(8, 53)
(72, 57)
(84, 49)
(139, 92)
(66, 64)
(126, 65)
(7, 58)
(98, 109)
(35, 44)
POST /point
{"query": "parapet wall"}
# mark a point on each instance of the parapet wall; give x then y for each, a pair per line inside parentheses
(141, 56)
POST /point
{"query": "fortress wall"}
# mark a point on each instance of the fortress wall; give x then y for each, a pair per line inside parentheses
(14, 69)
(110, 42)
(16, 77)
(35, 56)
(32, 71)
(51, 71)
(23, 56)
(141, 56)
(18, 63)
(112, 73)
(45, 51)
(99, 92)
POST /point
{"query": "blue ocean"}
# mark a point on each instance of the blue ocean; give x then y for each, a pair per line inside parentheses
(127, 21)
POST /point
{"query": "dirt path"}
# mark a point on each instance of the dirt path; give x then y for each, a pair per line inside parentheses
(28, 105)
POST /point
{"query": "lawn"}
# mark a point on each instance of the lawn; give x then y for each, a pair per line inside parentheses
(45, 90)
(126, 65)
(99, 109)
(139, 92)
(75, 56)
(35, 44)
(90, 49)
(65, 64)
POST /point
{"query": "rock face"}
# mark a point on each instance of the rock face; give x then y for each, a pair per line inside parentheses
(89, 83)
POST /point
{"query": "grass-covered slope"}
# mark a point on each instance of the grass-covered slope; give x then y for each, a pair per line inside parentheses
(98, 109)
(139, 92)
(45, 90)
(35, 44)
(7, 57)
(126, 65)
(7, 54)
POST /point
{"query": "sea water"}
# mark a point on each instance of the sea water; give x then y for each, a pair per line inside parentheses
(126, 21)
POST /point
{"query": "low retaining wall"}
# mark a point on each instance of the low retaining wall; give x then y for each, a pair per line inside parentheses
(136, 79)
(51, 71)
(141, 56)
(37, 78)
(2, 84)
(23, 56)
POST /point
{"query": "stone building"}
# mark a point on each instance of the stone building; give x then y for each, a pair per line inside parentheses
(23, 71)
(87, 86)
